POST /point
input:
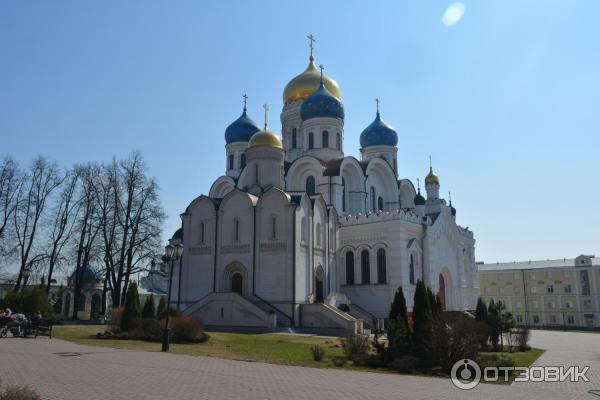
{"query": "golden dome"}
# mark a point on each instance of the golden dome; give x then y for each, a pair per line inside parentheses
(307, 83)
(265, 138)
(432, 178)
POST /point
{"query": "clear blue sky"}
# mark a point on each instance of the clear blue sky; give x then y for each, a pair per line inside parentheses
(506, 100)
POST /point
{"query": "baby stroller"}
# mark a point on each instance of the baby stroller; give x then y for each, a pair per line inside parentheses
(18, 325)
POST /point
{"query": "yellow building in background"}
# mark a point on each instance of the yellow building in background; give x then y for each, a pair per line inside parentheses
(559, 293)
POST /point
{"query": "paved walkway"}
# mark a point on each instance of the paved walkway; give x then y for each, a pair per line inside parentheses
(65, 371)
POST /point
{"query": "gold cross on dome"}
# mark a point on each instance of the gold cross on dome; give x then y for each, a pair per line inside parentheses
(312, 40)
(266, 107)
(321, 67)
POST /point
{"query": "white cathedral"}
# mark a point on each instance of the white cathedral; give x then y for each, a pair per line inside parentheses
(296, 234)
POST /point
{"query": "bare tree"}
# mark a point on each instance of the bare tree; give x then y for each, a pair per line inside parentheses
(34, 190)
(131, 219)
(62, 221)
(87, 228)
(9, 184)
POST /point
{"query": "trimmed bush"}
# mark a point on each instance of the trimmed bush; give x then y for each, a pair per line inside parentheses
(18, 393)
(405, 364)
(29, 301)
(317, 352)
(114, 319)
(131, 312)
(338, 361)
(149, 310)
(187, 329)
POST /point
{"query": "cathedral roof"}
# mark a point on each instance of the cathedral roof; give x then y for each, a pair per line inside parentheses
(241, 130)
(265, 138)
(378, 134)
(307, 83)
(321, 104)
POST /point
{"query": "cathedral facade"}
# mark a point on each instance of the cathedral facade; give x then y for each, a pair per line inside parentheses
(297, 234)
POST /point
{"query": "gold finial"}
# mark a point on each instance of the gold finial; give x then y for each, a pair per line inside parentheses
(312, 40)
(430, 167)
(377, 102)
(245, 101)
(321, 67)
(266, 107)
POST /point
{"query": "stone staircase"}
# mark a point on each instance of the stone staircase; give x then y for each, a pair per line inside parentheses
(328, 320)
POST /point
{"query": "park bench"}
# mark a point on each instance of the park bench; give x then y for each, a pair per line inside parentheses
(43, 328)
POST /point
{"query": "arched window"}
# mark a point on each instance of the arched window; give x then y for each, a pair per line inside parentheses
(365, 268)
(318, 234)
(237, 283)
(338, 141)
(381, 272)
(349, 268)
(411, 270)
(294, 138)
(202, 232)
(81, 304)
(311, 141)
(373, 199)
(243, 160)
(380, 203)
(273, 228)
(231, 161)
(310, 185)
(343, 195)
(325, 139)
(236, 229)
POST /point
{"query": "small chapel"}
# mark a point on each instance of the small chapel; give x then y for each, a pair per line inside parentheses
(296, 234)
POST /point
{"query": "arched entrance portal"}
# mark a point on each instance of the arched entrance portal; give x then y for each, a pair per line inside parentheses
(442, 292)
(237, 283)
(319, 287)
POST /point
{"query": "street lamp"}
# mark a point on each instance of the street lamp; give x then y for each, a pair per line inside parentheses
(174, 251)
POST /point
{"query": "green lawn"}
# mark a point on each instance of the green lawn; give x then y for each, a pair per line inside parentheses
(505, 359)
(267, 347)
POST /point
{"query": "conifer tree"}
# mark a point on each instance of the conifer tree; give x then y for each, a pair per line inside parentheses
(131, 312)
(481, 312)
(422, 332)
(398, 331)
(162, 306)
(149, 310)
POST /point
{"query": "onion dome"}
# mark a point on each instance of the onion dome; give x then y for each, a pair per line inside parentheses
(178, 235)
(432, 178)
(265, 138)
(241, 130)
(88, 276)
(378, 134)
(419, 200)
(307, 83)
(321, 104)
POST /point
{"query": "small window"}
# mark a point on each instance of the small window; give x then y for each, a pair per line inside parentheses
(380, 203)
(373, 199)
(243, 161)
(365, 268)
(381, 267)
(310, 185)
(338, 141)
(236, 230)
(536, 319)
(273, 228)
(231, 161)
(325, 139)
(202, 232)
(311, 141)
(567, 288)
(349, 268)
(294, 138)
(570, 319)
(533, 290)
(550, 289)
(412, 270)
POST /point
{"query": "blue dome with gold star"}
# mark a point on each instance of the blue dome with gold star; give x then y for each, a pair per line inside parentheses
(241, 130)
(378, 134)
(321, 104)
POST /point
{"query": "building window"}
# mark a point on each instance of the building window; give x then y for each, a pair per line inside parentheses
(531, 275)
(550, 289)
(381, 269)
(566, 274)
(587, 303)
(202, 232)
(380, 204)
(365, 268)
(343, 195)
(501, 291)
(373, 199)
(536, 319)
(311, 141)
(338, 141)
(567, 288)
(570, 319)
(585, 283)
(325, 139)
(310, 185)
(236, 230)
(273, 228)
(243, 161)
(349, 268)
(412, 270)
(294, 138)
(231, 161)
(483, 277)
(318, 234)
